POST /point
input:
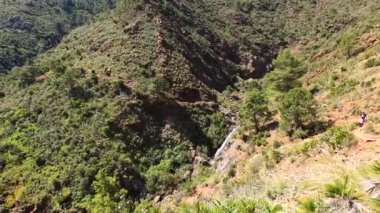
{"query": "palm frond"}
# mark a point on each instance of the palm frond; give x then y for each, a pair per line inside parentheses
(346, 205)
(376, 167)
(372, 188)
(342, 188)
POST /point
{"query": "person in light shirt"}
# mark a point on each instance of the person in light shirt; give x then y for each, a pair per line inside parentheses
(362, 119)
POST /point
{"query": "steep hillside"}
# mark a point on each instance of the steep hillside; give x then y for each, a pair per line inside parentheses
(117, 112)
(126, 112)
(28, 28)
(331, 170)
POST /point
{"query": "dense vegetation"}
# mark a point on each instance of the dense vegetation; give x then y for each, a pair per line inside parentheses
(120, 133)
(121, 109)
(28, 28)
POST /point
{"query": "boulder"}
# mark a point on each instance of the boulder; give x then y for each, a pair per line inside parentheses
(198, 160)
(157, 199)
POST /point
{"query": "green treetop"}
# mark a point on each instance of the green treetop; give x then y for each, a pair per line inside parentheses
(255, 110)
(287, 70)
(298, 111)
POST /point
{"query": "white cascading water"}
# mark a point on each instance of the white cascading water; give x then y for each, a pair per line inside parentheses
(226, 142)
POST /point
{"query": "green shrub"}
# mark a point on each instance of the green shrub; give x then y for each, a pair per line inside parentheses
(27, 76)
(161, 177)
(153, 86)
(343, 196)
(310, 146)
(299, 133)
(344, 88)
(342, 188)
(277, 144)
(311, 205)
(373, 62)
(234, 205)
(70, 78)
(231, 172)
(146, 206)
(275, 190)
(255, 163)
(338, 138)
(376, 167)
(128, 5)
(217, 129)
(258, 139)
(108, 194)
(272, 157)
(346, 43)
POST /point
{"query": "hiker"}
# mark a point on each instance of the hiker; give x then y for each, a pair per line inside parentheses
(362, 119)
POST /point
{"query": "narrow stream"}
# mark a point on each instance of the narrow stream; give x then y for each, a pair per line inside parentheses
(225, 144)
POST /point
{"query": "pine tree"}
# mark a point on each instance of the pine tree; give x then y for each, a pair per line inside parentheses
(288, 69)
(298, 110)
(255, 109)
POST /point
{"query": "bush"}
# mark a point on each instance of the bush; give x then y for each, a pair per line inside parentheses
(231, 172)
(146, 206)
(309, 146)
(154, 86)
(233, 205)
(342, 188)
(338, 138)
(346, 43)
(27, 76)
(310, 205)
(277, 144)
(345, 87)
(160, 178)
(258, 139)
(373, 62)
(275, 190)
(299, 133)
(255, 163)
(272, 157)
(107, 194)
(128, 5)
(218, 128)
(69, 78)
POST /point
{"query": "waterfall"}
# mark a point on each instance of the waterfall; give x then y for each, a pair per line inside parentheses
(226, 142)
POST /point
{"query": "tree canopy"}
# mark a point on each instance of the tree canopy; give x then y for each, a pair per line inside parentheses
(287, 70)
(298, 111)
(255, 109)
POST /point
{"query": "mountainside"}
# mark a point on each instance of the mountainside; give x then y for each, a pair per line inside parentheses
(30, 27)
(132, 94)
(125, 112)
